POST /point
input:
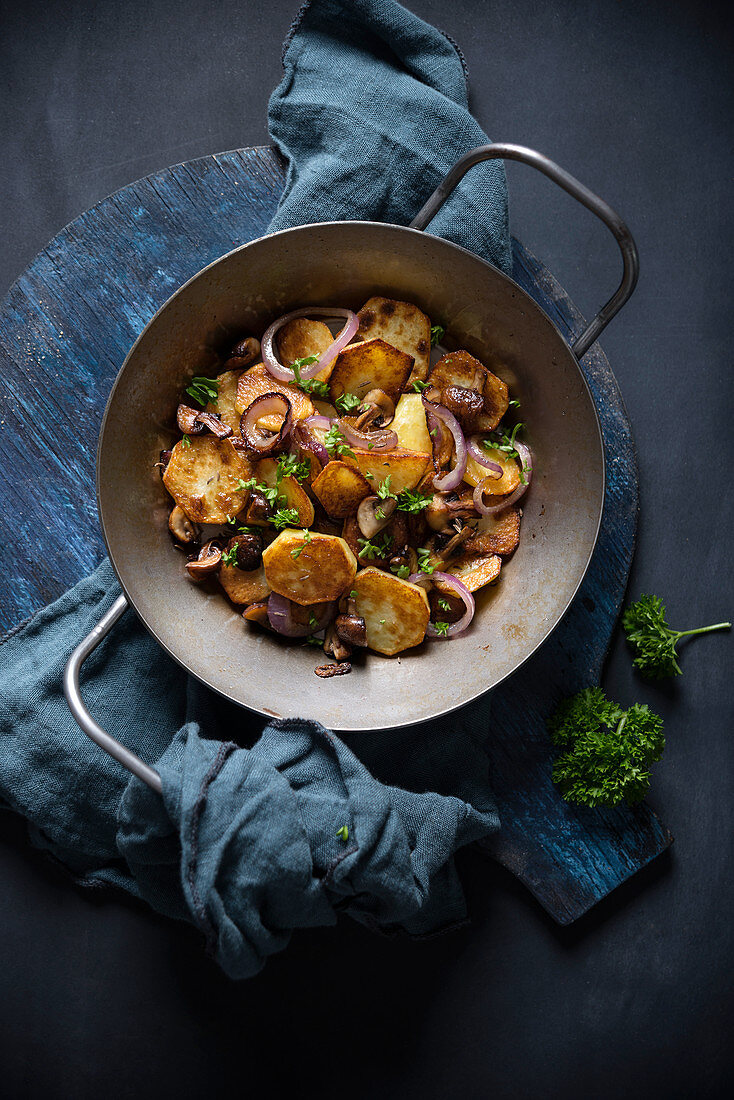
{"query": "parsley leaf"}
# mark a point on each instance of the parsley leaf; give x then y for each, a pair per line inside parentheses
(441, 628)
(444, 605)
(419, 386)
(186, 440)
(413, 500)
(437, 334)
(334, 443)
(505, 443)
(229, 557)
(424, 563)
(270, 492)
(653, 641)
(401, 571)
(308, 385)
(203, 390)
(606, 751)
(285, 517)
(347, 402)
(514, 404)
(384, 491)
(376, 549)
(298, 550)
(289, 466)
(343, 833)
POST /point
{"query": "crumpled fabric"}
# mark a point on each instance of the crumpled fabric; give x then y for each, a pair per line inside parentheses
(264, 828)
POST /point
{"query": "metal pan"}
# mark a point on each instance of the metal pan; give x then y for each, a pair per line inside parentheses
(484, 311)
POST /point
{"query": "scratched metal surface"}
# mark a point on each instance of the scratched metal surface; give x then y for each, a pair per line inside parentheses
(65, 328)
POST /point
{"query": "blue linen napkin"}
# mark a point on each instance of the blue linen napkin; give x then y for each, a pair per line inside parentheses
(247, 843)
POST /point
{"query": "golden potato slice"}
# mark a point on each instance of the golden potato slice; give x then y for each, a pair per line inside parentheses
(406, 468)
(202, 477)
(459, 368)
(340, 488)
(256, 381)
(401, 324)
(301, 338)
(372, 364)
(509, 481)
(410, 424)
(244, 586)
(496, 534)
(266, 472)
(475, 571)
(310, 568)
(395, 612)
(224, 406)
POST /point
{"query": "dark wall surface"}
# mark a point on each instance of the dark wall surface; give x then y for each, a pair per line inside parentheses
(98, 997)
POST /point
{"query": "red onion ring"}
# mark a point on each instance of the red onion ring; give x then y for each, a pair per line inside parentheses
(264, 405)
(453, 478)
(285, 374)
(307, 441)
(526, 459)
(479, 455)
(280, 617)
(459, 589)
(383, 439)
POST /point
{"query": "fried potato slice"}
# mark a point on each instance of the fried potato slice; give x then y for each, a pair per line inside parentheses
(224, 406)
(410, 424)
(499, 487)
(244, 586)
(258, 380)
(372, 364)
(310, 568)
(406, 468)
(301, 338)
(496, 534)
(475, 571)
(459, 368)
(340, 488)
(395, 612)
(266, 472)
(203, 478)
(401, 324)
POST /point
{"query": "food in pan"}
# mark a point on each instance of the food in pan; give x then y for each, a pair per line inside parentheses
(353, 490)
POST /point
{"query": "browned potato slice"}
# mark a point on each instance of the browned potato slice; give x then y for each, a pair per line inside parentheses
(410, 424)
(395, 612)
(474, 571)
(203, 478)
(370, 365)
(406, 468)
(224, 406)
(496, 534)
(509, 481)
(266, 472)
(401, 324)
(256, 381)
(310, 568)
(459, 368)
(244, 586)
(301, 338)
(340, 488)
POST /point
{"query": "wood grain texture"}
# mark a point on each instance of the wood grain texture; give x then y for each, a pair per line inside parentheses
(65, 328)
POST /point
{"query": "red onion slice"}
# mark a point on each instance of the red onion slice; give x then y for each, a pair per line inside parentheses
(453, 478)
(307, 441)
(280, 617)
(285, 374)
(383, 439)
(479, 455)
(459, 589)
(265, 405)
(526, 460)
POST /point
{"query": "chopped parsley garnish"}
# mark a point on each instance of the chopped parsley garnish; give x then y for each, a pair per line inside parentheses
(384, 491)
(335, 445)
(506, 444)
(353, 594)
(424, 563)
(413, 500)
(203, 390)
(401, 571)
(437, 334)
(229, 557)
(378, 548)
(444, 605)
(514, 404)
(285, 517)
(343, 833)
(289, 466)
(186, 440)
(441, 628)
(311, 640)
(653, 641)
(347, 402)
(308, 385)
(419, 386)
(298, 550)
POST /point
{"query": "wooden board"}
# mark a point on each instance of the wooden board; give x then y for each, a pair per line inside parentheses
(65, 328)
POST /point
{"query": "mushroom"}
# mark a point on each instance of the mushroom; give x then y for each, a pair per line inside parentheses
(453, 546)
(334, 646)
(188, 420)
(249, 550)
(258, 510)
(163, 460)
(214, 423)
(379, 410)
(243, 353)
(181, 527)
(465, 404)
(257, 613)
(442, 510)
(208, 561)
(351, 629)
(374, 513)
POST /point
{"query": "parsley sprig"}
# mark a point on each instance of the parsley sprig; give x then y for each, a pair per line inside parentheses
(437, 334)
(377, 548)
(413, 500)
(441, 628)
(400, 571)
(285, 517)
(298, 550)
(308, 385)
(347, 402)
(290, 466)
(335, 445)
(606, 751)
(229, 557)
(203, 390)
(419, 386)
(424, 563)
(501, 441)
(653, 641)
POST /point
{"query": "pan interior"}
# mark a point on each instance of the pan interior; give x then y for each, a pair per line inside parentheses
(485, 312)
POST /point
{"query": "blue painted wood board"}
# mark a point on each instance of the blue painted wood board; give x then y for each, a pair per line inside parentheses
(65, 328)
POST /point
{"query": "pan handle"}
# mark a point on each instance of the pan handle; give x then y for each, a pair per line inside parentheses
(612, 220)
(79, 710)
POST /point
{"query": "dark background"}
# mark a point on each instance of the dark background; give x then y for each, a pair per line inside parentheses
(100, 997)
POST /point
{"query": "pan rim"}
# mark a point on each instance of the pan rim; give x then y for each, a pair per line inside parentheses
(440, 712)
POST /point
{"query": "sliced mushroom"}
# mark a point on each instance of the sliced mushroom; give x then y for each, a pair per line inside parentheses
(465, 404)
(442, 510)
(379, 410)
(257, 613)
(181, 527)
(340, 669)
(214, 423)
(334, 646)
(163, 460)
(453, 546)
(351, 629)
(188, 420)
(249, 550)
(208, 561)
(243, 353)
(258, 511)
(374, 513)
